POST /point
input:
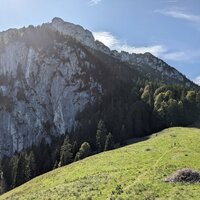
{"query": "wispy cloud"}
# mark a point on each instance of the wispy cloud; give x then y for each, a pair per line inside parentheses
(197, 80)
(94, 2)
(175, 56)
(159, 50)
(116, 44)
(180, 14)
(189, 56)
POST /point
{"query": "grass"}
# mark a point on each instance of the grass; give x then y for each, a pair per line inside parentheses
(134, 172)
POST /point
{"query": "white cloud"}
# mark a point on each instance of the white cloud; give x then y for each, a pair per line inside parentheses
(180, 14)
(188, 56)
(107, 38)
(197, 80)
(175, 56)
(159, 50)
(116, 44)
(94, 2)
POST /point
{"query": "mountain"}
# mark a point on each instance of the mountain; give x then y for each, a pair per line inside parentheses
(136, 171)
(56, 79)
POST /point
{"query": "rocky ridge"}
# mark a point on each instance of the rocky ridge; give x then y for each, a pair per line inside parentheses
(41, 87)
(86, 38)
(46, 78)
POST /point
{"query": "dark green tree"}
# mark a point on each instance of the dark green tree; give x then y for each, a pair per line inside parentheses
(84, 151)
(75, 148)
(109, 142)
(3, 184)
(18, 169)
(30, 166)
(66, 152)
(101, 136)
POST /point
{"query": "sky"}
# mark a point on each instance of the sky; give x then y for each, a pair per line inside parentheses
(169, 29)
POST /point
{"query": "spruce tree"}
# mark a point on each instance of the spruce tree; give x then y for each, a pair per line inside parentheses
(109, 142)
(30, 166)
(18, 170)
(101, 136)
(3, 184)
(14, 169)
(66, 152)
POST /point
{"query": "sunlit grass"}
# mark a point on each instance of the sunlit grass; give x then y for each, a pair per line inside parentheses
(132, 172)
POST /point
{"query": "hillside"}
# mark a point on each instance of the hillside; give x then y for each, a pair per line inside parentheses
(53, 75)
(132, 172)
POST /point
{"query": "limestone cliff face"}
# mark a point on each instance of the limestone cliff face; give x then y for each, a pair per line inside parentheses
(50, 73)
(42, 87)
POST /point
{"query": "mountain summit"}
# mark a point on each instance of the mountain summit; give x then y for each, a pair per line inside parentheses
(56, 79)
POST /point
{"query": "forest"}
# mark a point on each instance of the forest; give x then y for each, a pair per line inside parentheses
(130, 111)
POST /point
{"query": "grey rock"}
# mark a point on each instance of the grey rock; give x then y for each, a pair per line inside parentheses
(45, 81)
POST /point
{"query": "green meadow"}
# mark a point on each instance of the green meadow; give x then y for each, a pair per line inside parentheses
(133, 172)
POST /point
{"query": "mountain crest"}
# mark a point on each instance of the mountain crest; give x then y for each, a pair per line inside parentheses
(47, 80)
(76, 31)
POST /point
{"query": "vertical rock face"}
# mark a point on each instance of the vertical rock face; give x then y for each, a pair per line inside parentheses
(42, 86)
(50, 73)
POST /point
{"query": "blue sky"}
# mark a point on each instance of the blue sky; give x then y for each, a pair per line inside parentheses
(170, 29)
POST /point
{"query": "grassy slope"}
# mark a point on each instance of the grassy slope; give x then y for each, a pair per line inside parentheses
(138, 168)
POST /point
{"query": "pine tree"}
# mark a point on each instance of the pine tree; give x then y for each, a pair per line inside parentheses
(101, 136)
(55, 165)
(3, 184)
(109, 142)
(19, 169)
(75, 148)
(30, 166)
(66, 152)
(14, 169)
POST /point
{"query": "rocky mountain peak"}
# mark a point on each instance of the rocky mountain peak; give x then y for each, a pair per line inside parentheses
(82, 35)
(57, 20)
(47, 79)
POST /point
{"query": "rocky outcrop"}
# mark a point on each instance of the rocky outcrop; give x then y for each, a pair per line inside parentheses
(144, 62)
(48, 75)
(41, 89)
(76, 31)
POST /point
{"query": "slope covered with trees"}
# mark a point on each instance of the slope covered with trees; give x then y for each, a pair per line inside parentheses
(148, 108)
(124, 102)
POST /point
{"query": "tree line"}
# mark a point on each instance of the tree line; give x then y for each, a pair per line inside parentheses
(126, 113)
(29, 163)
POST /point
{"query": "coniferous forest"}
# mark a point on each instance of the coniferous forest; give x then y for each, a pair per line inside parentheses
(150, 107)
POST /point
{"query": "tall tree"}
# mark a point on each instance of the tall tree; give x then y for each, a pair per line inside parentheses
(109, 142)
(101, 136)
(30, 166)
(3, 184)
(66, 152)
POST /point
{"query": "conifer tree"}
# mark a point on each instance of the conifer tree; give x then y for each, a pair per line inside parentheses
(101, 136)
(3, 184)
(109, 142)
(30, 166)
(66, 152)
